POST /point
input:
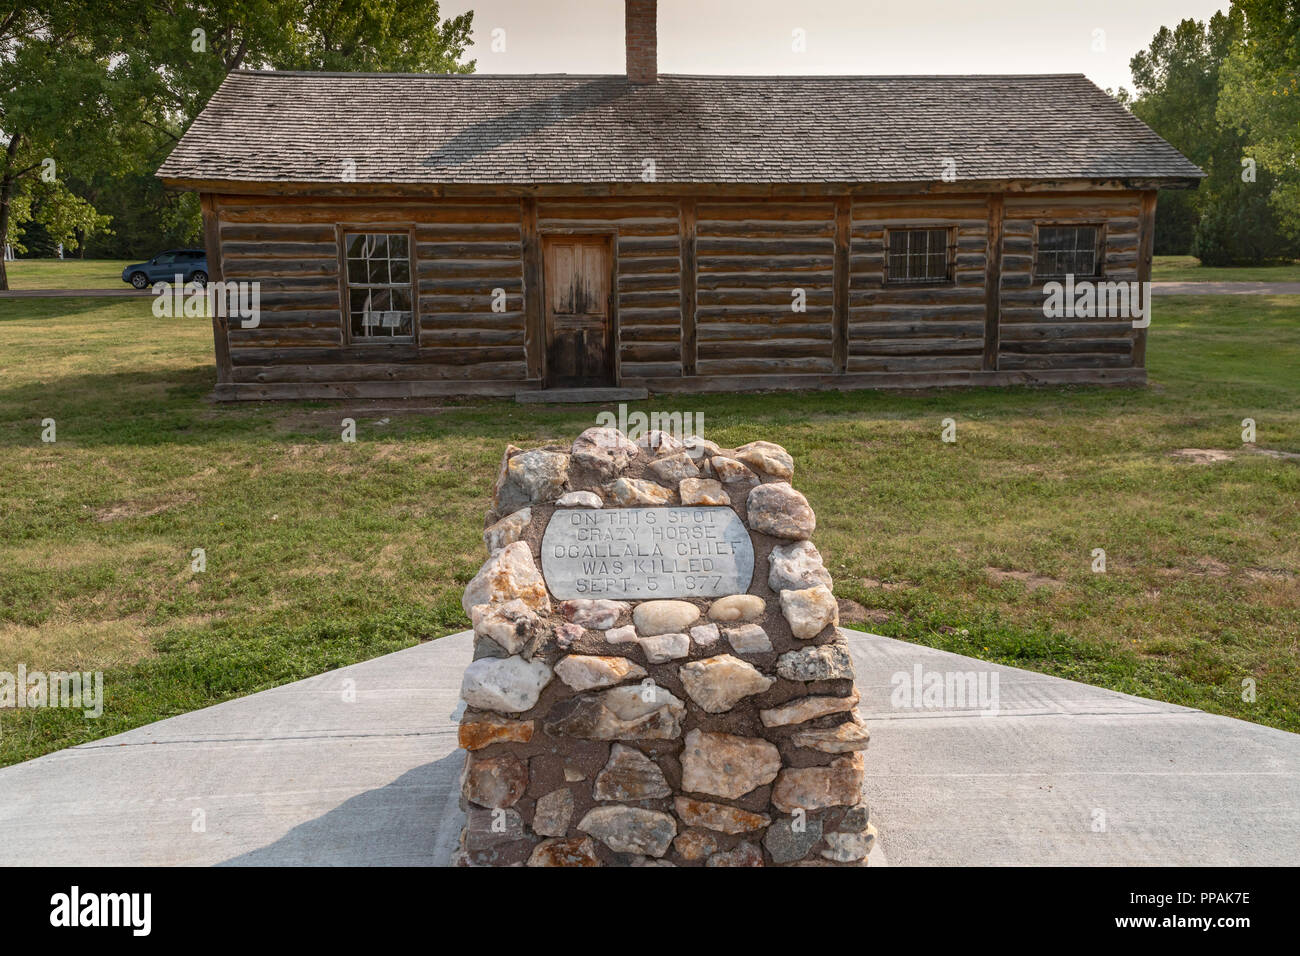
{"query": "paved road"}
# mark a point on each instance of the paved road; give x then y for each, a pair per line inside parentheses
(1064, 773)
(1226, 288)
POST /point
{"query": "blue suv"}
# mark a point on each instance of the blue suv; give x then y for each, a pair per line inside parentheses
(166, 266)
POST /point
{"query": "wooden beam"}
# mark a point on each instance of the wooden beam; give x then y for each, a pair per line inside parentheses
(534, 324)
(705, 191)
(1146, 248)
(220, 323)
(840, 284)
(689, 336)
(993, 284)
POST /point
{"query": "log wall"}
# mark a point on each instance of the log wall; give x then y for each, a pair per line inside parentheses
(704, 286)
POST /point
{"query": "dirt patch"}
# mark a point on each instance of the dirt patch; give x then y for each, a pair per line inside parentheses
(1204, 567)
(1029, 579)
(851, 612)
(141, 508)
(887, 585)
(377, 414)
(1274, 453)
(1202, 456)
(1270, 574)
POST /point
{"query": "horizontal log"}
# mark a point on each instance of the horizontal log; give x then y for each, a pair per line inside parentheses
(1062, 346)
(648, 333)
(753, 313)
(877, 330)
(756, 366)
(744, 246)
(814, 264)
(263, 269)
(442, 337)
(293, 232)
(470, 250)
(258, 250)
(380, 372)
(1089, 360)
(651, 370)
(375, 211)
(651, 351)
(472, 320)
(267, 337)
(654, 282)
(755, 229)
(549, 210)
(472, 232)
(766, 211)
(890, 381)
(731, 332)
(486, 270)
(774, 351)
(667, 315)
(817, 295)
(915, 363)
(929, 345)
(761, 279)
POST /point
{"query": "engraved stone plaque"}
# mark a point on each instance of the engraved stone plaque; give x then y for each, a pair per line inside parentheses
(641, 553)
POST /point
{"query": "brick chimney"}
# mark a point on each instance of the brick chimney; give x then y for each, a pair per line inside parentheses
(642, 58)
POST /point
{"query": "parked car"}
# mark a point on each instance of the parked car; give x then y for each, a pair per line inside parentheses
(166, 266)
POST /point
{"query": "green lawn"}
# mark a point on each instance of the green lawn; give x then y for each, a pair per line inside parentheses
(1189, 269)
(321, 553)
(66, 273)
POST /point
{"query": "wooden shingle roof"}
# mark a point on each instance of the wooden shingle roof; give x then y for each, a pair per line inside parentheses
(311, 128)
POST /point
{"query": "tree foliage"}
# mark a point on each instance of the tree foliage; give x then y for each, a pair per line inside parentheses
(1184, 89)
(103, 89)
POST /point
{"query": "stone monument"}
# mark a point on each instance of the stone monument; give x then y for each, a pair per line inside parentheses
(657, 676)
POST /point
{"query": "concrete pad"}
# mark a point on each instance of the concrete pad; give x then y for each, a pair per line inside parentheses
(1064, 773)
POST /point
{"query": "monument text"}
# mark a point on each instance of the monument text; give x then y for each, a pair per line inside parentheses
(634, 553)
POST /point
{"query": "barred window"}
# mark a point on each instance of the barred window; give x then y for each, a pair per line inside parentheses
(918, 255)
(379, 286)
(1066, 250)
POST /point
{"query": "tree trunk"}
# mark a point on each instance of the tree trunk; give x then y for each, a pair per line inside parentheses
(5, 190)
(6, 194)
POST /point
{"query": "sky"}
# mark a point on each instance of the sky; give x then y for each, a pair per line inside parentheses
(1096, 38)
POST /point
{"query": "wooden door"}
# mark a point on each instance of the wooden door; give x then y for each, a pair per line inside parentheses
(579, 336)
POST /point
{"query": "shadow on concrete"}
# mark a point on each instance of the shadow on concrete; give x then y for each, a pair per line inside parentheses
(413, 821)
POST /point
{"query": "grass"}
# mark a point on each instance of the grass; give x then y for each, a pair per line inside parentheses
(1189, 269)
(321, 553)
(26, 274)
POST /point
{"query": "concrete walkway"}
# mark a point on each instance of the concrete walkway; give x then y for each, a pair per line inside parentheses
(1063, 774)
(1226, 288)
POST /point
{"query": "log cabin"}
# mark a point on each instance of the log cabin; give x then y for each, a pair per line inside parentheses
(425, 235)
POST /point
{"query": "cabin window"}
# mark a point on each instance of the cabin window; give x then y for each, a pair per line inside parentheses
(1066, 250)
(918, 255)
(379, 286)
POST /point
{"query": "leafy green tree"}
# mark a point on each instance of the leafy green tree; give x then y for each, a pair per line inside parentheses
(1180, 81)
(1261, 98)
(57, 86)
(106, 88)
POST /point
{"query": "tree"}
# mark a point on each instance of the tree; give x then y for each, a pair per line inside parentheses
(57, 84)
(105, 89)
(1181, 82)
(1261, 98)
